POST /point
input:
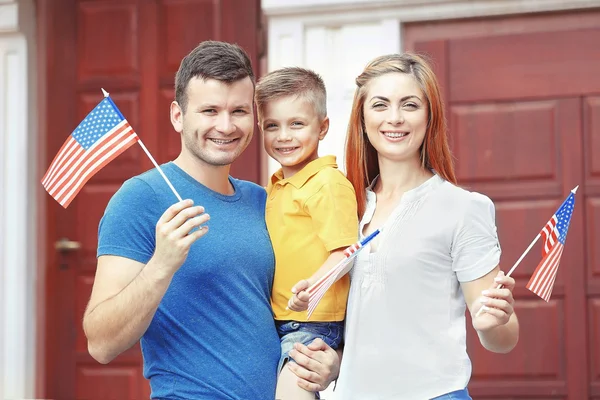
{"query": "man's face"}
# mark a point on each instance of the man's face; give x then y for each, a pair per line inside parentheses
(218, 122)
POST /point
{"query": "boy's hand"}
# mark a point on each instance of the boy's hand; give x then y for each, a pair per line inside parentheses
(299, 301)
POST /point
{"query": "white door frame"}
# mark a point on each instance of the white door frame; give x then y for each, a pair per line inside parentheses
(19, 192)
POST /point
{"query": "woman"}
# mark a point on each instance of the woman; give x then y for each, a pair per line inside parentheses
(438, 250)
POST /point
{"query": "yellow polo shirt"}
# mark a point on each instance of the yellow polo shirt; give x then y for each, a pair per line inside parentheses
(309, 215)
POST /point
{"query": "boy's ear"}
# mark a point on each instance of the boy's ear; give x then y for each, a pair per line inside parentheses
(324, 128)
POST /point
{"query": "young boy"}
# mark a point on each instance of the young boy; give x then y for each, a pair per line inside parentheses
(311, 213)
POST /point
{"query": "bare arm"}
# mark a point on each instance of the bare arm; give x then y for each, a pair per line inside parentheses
(124, 299)
(127, 293)
(334, 258)
(497, 326)
(299, 301)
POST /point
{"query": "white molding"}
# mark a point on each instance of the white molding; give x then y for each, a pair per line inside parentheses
(282, 7)
(9, 20)
(393, 30)
(336, 11)
(18, 199)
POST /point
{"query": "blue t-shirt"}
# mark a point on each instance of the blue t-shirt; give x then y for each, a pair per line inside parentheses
(213, 335)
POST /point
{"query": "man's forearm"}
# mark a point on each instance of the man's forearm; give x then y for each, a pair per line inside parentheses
(501, 339)
(118, 322)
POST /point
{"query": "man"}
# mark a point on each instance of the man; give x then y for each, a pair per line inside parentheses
(198, 300)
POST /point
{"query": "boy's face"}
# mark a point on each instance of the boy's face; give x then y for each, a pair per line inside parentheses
(292, 130)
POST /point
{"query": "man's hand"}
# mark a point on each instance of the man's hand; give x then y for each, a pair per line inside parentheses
(299, 301)
(174, 234)
(316, 365)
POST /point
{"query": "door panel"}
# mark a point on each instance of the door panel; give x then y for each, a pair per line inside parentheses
(562, 63)
(131, 48)
(591, 132)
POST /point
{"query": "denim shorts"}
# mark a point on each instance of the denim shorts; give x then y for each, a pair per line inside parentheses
(291, 332)
(456, 395)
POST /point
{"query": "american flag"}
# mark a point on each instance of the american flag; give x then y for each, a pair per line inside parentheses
(100, 138)
(318, 289)
(554, 234)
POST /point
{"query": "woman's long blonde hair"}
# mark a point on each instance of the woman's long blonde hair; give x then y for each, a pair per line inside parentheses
(361, 157)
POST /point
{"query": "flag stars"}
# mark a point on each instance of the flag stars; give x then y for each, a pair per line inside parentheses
(98, 122)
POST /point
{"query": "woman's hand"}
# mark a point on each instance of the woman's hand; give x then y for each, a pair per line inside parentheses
(496, 304)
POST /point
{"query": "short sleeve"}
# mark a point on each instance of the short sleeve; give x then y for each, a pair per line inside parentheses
(128, 226)
(475, 248)
(332, 210)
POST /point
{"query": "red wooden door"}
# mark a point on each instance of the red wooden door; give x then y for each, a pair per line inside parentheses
(132, 48)
(523, 95)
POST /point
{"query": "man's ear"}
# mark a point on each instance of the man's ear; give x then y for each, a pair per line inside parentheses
(176, 117)
(324, 128)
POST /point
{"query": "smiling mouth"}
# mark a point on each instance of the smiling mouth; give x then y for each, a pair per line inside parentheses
(395, 135)
(222, 141)
(285, 150)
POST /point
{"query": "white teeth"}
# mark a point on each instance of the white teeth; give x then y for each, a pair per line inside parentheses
(217, 141)
(395, 135)
(286, 150)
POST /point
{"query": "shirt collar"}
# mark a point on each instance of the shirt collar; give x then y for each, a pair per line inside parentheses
(301, 177)
(415, 193)
(409, 196)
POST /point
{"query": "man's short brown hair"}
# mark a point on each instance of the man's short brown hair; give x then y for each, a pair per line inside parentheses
(222, 61)
(292, 81)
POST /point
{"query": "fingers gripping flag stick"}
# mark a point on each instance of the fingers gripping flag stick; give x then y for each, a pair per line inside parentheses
(318, 289)
(102, 135)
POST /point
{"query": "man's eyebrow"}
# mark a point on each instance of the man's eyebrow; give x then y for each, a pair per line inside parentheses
(243, 105)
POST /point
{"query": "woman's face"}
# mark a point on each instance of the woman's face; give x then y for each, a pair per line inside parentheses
(395, 113)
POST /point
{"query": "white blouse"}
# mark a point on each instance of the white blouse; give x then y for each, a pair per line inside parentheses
(405, 323)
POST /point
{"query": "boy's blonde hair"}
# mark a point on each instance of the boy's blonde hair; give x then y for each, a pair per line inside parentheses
(292, 81)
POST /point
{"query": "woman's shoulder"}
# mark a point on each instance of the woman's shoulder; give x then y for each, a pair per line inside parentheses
(461, 198)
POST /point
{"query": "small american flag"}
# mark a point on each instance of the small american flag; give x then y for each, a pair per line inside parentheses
(318, 289)
(99, 139)
(554, 234)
